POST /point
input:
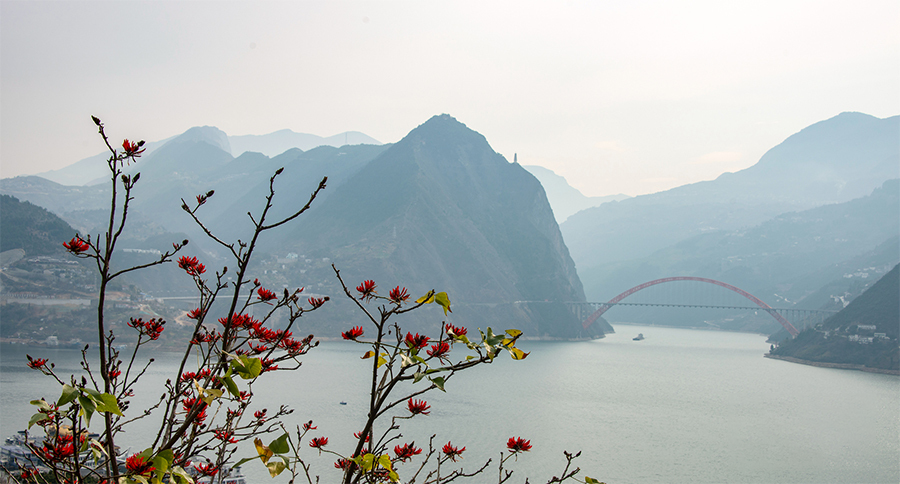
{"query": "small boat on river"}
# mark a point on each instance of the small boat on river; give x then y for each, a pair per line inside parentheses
(639, 337)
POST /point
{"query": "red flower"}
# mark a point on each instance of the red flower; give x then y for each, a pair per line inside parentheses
(416, 341)
(189, 403)
(358, 434)
(309, 426)
(196, 313)
(29, 473)
(152, 329)
(114, 373)
(265, 294)
(226, 436)
(260, 415)
(452, 452)
(207, 469)
(132, 149)
(36, 363)
(366, 290)
(398, 295)
(353, 333)
(343, 464)
(316, 302)
(407, 451)
(137, 465)
(439, 350)
(191, 265)
(201, 417)
(76, 245)
(518, 444)
(318, 442)
(418, 406)
(456, 331)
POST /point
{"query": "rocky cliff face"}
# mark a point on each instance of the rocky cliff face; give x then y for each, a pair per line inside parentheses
(441, 210)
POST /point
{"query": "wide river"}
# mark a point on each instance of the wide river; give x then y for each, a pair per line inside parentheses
(679, 406)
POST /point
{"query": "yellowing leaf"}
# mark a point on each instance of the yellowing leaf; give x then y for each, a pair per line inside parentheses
(427, 299)
(381, 361)
(264, 453)
(517, 354)
(513, 332)
(277, 466)
(443, 300)
(368, 354)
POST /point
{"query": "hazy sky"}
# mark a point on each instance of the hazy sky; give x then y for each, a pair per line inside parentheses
(631, 97)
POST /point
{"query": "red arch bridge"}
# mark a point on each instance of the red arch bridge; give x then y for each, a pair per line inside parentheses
(590, 312)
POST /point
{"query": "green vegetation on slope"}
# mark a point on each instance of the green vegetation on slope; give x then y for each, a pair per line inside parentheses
(849, 337)
(32, 228)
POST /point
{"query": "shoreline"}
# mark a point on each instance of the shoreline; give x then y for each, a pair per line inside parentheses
(839, 366)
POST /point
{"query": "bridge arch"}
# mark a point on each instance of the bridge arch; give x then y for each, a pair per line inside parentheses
(605, 306)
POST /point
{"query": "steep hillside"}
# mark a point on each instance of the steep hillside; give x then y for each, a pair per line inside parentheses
(440, 209)
(32, 228)
(848, 337)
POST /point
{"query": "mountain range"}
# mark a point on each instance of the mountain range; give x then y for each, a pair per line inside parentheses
(813, 224)
(436, 210)
(815, 200)
(92, 171)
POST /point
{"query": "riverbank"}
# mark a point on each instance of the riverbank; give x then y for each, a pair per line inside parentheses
(840, 366)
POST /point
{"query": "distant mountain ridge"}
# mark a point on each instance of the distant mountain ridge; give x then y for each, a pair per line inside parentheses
(278, 142)
(832, 161)
(91, 170)
(564, 198)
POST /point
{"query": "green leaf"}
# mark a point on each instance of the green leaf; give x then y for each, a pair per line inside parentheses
(69, 393)
(38, 417)
(247, 367)
(417, 376)
(493, 339)
(94, 394)
(182, 476)
(438, 382)
(97, 449)
(41, 403)
(443, 301)
(591, 480)
(109, 404)
(87, 409)
(406, 361)
(231, 386)
(161, 464)
(280, 445)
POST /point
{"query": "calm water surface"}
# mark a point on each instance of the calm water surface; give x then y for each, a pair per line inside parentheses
(680, 406)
